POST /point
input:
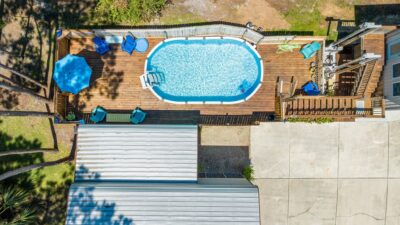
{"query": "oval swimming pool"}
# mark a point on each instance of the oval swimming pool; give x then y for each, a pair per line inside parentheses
(212, 70)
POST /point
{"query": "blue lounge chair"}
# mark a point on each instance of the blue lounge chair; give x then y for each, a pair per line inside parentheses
(309, 50)
(141, 45)
(138, 116)
(100, 45)
(311, 88)
(129, 44)
(98, 114)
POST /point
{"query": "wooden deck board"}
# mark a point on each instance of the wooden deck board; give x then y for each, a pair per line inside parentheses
(115, 81)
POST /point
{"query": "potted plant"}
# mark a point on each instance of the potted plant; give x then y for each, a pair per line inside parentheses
(71, 116)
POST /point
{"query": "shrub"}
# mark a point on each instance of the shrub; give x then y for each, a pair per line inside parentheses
(71, 116)
(128, 11)
(248, 172)
(310, 120)
(330, 92)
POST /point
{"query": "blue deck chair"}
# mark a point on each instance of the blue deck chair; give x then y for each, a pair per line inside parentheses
(311, 88)
(98, 114)
(309, 50)
(100, 45)
(138, 116)
(141, 45)
(128, 44)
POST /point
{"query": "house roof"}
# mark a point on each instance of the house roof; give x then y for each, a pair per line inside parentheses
(166, 203)
(137, 153)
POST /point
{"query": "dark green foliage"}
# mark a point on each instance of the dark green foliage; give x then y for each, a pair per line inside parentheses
(128, 11)
(311, 120)
(2, 24)
(248, 173)
(14, 206)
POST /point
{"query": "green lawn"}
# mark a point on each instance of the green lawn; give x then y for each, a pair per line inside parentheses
(305, 15)
(49, 185)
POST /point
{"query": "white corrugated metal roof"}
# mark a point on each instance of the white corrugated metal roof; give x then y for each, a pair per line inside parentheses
(162, 204)
(137, 152)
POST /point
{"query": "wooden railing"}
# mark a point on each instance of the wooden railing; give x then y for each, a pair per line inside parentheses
(347, 25)
(60, 103)
(334, 107)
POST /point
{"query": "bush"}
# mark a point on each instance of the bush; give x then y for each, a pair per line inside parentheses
(128, 11)
(310, 120)
(248, 173)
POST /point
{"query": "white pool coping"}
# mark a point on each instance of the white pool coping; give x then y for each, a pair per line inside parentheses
(207, 102)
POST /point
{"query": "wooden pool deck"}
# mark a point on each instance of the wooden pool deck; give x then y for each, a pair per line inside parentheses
(115, 81)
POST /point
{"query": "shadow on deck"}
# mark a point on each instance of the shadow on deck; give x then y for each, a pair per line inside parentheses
(191, 117)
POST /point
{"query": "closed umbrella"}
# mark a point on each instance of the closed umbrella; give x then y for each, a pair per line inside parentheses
(72, 74)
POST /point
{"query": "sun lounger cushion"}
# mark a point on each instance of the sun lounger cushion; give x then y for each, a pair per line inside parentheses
(118, 118)
(114, 39)
(309, 50)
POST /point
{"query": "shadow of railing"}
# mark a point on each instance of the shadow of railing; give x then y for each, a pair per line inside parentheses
(158, 26)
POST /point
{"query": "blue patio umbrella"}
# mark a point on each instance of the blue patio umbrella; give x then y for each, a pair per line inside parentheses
(72, 74)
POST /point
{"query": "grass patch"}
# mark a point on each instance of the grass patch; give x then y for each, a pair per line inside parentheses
(20, 133)
(48, 185)
(174, 18)
(305, 16)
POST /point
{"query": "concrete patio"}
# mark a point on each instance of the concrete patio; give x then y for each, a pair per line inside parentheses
(330, 174)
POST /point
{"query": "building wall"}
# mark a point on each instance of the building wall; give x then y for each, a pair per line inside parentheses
(391, 59)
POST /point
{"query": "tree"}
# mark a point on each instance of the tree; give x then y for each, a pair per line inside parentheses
(14, 207)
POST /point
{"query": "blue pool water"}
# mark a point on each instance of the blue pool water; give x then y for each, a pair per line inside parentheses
(212, 70)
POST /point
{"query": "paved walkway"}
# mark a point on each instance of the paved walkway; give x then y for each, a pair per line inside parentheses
(338, 173)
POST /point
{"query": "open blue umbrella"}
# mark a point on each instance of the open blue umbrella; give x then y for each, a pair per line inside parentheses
(72, 74)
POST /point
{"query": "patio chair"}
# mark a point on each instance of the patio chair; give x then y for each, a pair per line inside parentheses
(309, 50)
(129, 44)
(138, 116)
(98, 114)
(311, 88)
(141, 45)
(100, 45)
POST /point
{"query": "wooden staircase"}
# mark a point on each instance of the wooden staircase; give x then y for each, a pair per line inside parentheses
(363, 80)
(284, 89)
(374, 43)
(332, 107)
